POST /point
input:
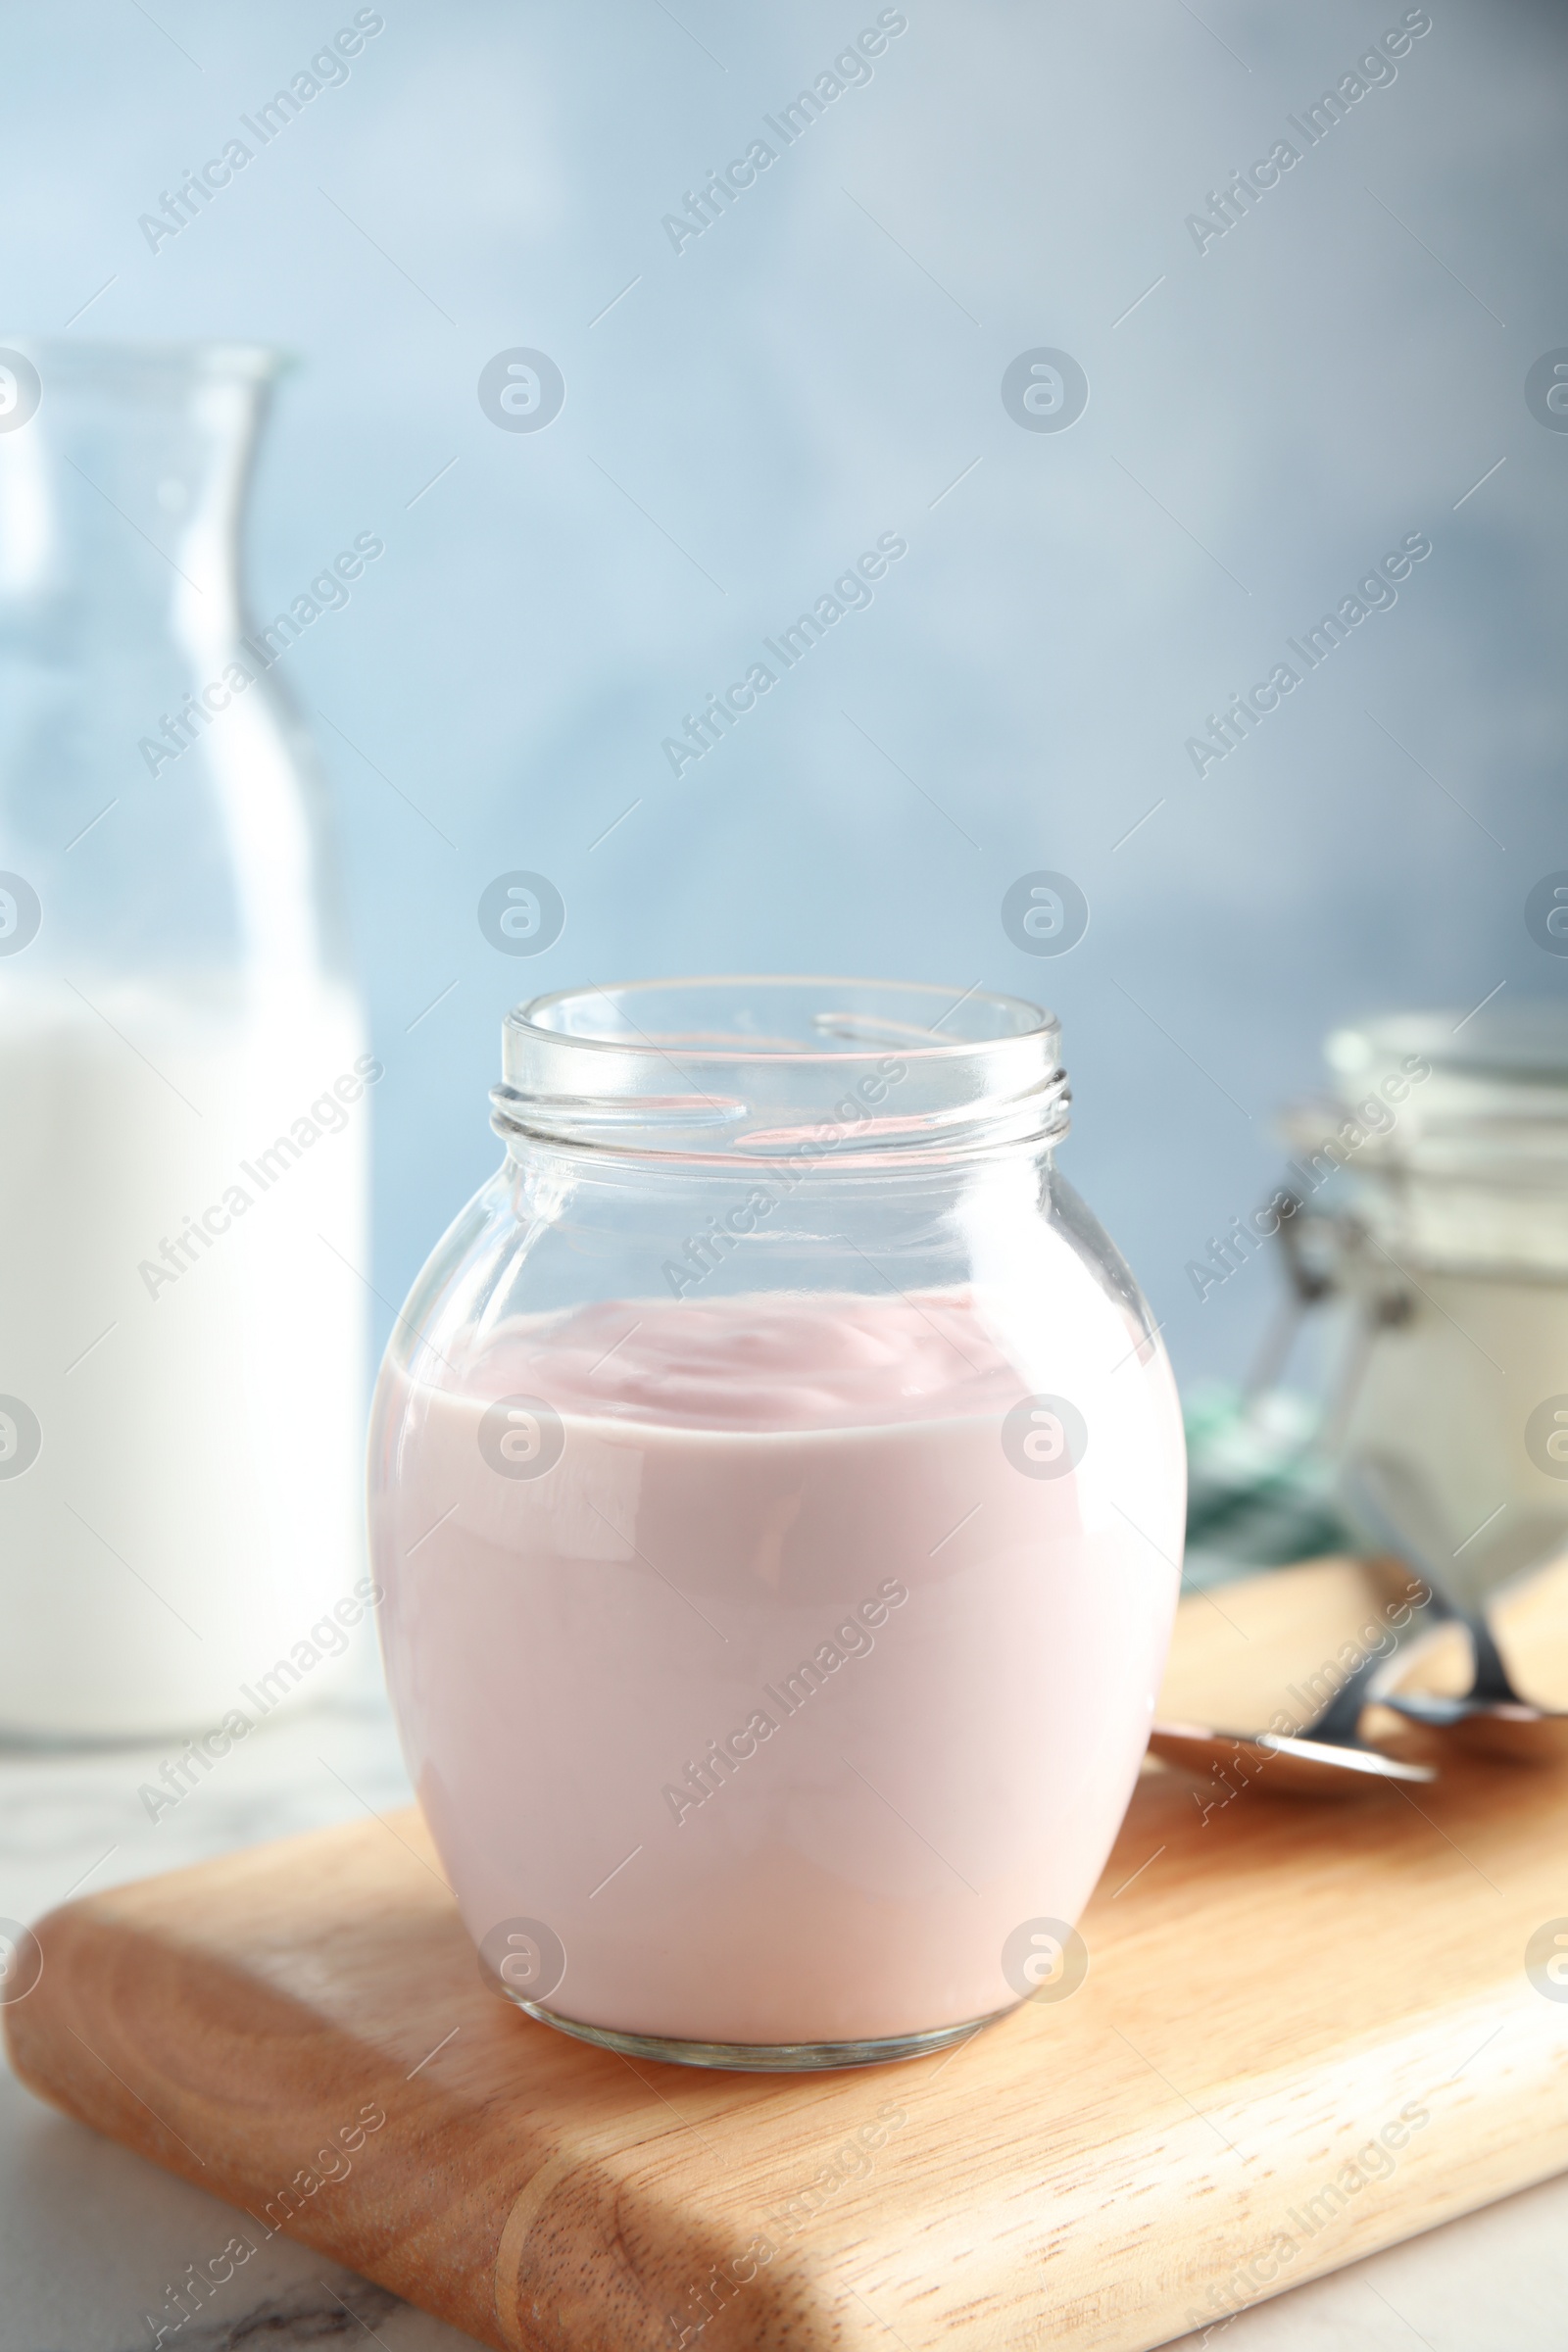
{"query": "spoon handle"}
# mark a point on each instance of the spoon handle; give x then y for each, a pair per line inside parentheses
(1491, 1680)
(1372, 1486)
(1336, 1724)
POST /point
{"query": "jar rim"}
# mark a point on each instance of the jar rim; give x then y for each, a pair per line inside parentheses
(533, 1017)
(733, 1066)
(1520, 1043)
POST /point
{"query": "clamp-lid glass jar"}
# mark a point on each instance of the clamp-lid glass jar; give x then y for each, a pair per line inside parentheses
(1448, 1148)
(777, 1489)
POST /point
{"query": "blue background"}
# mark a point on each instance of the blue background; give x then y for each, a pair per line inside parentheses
(816, 369)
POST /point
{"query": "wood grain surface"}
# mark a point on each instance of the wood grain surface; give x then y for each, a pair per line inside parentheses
(1305, 2032)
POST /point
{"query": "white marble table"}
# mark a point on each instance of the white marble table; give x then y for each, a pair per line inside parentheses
(91, 2236)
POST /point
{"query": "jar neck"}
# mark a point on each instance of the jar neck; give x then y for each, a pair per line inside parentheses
(786, 1074)
(1448, 1135)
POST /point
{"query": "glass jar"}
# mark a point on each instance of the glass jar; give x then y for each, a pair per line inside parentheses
(776, 1484)
(183, 1074)
(1434, 1192)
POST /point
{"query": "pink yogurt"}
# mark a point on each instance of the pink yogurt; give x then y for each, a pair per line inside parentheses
(784, 1693)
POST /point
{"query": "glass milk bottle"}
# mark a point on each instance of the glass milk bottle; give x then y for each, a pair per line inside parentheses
(183, 1078)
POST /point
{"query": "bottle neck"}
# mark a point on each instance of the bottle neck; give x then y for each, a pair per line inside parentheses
(119, 507)
(122, 668)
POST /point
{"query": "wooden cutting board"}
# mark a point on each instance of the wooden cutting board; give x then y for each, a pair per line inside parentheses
(1305, 2032)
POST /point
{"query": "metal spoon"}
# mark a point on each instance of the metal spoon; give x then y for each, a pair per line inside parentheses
(1327, 1757)
(1399, 1513)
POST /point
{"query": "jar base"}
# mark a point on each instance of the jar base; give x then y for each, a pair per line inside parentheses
(764, 2057)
